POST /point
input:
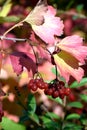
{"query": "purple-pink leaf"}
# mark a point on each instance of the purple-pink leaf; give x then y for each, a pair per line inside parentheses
(20, 60)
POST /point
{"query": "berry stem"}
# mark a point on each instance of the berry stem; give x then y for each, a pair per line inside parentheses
(35, 57)
(52, 58)
(64, 109)
(56, 72)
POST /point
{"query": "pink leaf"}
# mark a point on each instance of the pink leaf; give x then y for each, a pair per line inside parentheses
(74, 46)
(51, 27)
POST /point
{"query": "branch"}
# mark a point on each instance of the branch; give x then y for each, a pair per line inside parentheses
(13, 39)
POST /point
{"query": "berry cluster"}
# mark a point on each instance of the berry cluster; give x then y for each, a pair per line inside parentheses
(57, 89)
(1, 115)
(34, 84)
(54, 89)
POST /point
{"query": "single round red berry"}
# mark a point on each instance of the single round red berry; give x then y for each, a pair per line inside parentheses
(42, 86)
(67, 91)
(61, 93)
(34, 87)
(49, 91)
(72, 97)
(45, 85)
(55, 94)
(31, 83)
(46, 91)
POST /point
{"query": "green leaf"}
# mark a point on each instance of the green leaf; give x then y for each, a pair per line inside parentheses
(45, 119)
(71, 125)
(24, 118)
(5, 9)
(50, 124)
(83, 97)
(31, 104)
(76, 104)
(8, 124)
(73, 116)
(52, 115)
(9, 19)
(58, 100)
(35, 118)
(80, 7)
(84, 121)
(53, 69)
(81, 83)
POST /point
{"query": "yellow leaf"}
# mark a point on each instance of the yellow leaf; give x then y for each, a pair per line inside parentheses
(5, 9)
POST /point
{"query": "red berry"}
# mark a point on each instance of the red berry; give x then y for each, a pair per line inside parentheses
(39, 83)
(67, 91)
(61, 83)
(60, 86)
(41, 80)
(31, 83)
(34, 87)
(79, 110)
(72, 97)
(55, 94)
(36, 81)
(46, 91)
(62, 96)
(49, 91)
(42, 86)
(61, 93)
(45, 85)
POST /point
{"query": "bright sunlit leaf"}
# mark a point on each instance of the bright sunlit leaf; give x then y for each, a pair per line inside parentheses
(36, 15)
(8, 124)
(5, 9)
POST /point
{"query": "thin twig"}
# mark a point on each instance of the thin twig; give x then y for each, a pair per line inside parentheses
(35, 57)
(54, 64)
(13, 39)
